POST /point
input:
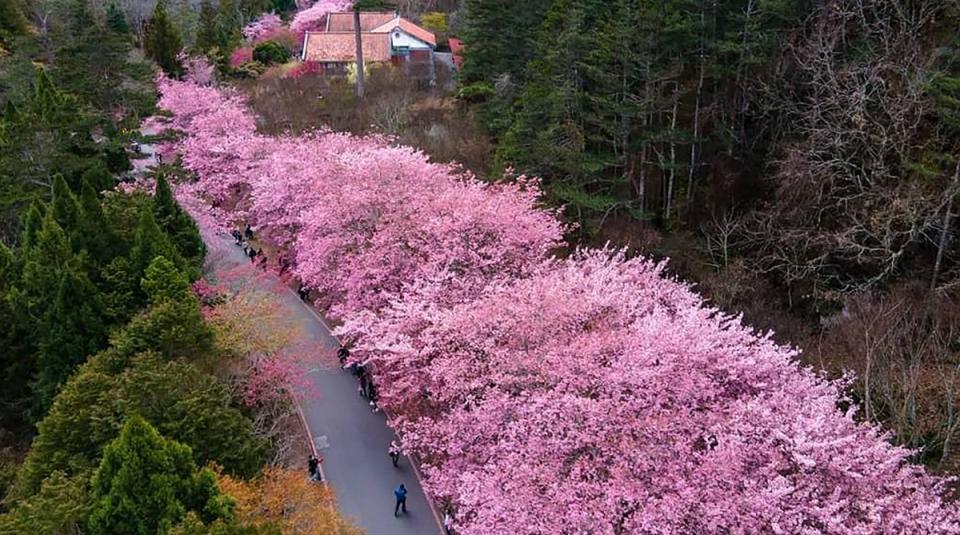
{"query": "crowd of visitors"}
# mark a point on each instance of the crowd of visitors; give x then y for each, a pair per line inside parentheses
(362, 373)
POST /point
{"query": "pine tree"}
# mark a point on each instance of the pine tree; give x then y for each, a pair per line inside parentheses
(71, 330)
(162, 41)
(12, 20)
(208, 28)
(177, 224)
(251, 9)
(150, 242)
(94, 233)
(90, 59)
(66, 209)
(229, 24)
(162, 282)
(147, 483)
(32, 223)
(498, 38)
(45, 261)
(99, 178)
(283, 6)
(117, 20)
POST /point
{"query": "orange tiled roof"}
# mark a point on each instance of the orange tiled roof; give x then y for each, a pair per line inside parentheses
(343, 22)
(409, 27)
(339, 47)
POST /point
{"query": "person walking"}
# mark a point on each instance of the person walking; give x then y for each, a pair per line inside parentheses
(313, 466)
(363, 383)
(372, 395)
(343, 354)
(447, 523)
(401, 494)
(394, 452)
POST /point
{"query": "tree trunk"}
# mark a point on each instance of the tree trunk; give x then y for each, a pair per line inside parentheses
(945, 232)
(671, 176)
(742, 75)
(359, 39)
(696, 115)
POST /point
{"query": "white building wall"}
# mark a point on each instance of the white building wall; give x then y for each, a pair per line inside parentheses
(399, 38)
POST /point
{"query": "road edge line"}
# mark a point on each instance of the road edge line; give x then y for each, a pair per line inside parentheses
(413, 464)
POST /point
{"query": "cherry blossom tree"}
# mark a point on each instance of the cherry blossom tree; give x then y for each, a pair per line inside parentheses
(598, 395)
(314, 17)
(262, 27)
(590, 394)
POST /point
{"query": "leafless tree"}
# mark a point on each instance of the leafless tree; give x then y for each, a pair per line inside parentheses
(847, 212)
(903, 348)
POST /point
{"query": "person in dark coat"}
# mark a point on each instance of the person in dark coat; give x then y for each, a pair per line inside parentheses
(313, 466)
(401, 495)
(394, 452)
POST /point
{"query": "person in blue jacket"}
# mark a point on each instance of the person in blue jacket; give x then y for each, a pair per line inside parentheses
(401, 494)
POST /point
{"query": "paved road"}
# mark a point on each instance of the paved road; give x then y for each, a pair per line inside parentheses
(351, 437)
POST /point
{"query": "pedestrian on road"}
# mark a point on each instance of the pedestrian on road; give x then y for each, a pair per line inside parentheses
(313, 466)
(362, 384)
(303, 292)
(159, 159)
(248, 232)
(448, 523)
(372, 396)
(343, 354)
(394, 452)
(401, 494)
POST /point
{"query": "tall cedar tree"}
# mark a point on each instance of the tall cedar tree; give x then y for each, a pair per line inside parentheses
(230, 23)
(150, 242)
(94, 234)
(498, 38)
(117, 20)
(147, 483)
(162, 41)
(91, 59)
(177, 224)
(208, 29)
(12, 20)
(66, 209)
(73, 329)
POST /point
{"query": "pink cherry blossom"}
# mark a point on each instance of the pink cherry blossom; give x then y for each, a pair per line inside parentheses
(315, 16)
(262, 27)
(584, 394)
(241, 55)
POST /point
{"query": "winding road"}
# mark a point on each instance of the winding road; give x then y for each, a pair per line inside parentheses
(351, 437)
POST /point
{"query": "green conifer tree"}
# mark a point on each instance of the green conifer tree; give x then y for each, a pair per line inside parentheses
(229, 22)
(117, 20)
(12, 20)
(71, 331)
(208, 29)
(94, 233)
(66, 209)
(150, 242)
(177, 224)
(162, 41)
(147, 483)
(32, 223)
